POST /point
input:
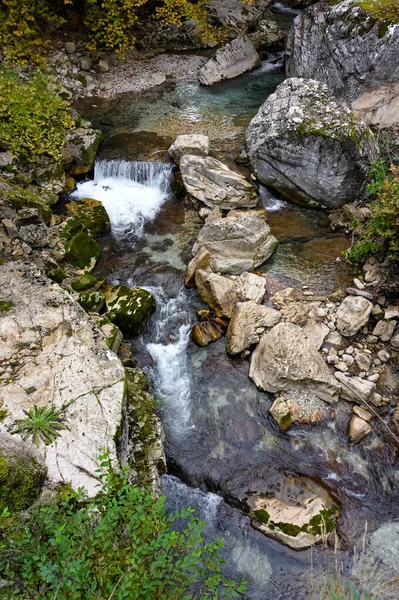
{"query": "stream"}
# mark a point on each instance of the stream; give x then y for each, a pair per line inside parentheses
(221, 443)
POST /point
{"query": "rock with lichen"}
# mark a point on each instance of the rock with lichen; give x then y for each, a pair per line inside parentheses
(129, 308)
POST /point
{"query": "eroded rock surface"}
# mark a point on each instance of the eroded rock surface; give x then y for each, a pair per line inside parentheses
(309, 146)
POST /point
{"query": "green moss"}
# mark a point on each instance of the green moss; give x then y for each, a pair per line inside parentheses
(17, 197)
(285, 422)
(91, 214)
(324, 521)
(21, 480)
(4, 306)
(262, 516)
(289, 528)
(72, 227)
(56, 274)
(3, 414)
(82, 251)
(30, 390)
(129, 309)
(91, 301)
(84, 282)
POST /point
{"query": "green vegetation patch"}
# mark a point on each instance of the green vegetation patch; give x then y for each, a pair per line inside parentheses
(17, 198)
(91, 214)
(33, 120)
(91, 301)
(21, 479)
(5, 306)
(84, 282)
(383, 10)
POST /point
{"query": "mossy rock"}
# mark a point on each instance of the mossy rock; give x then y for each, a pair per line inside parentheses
(129, 308)
(91, 301)
(83, 282)
(56, 273)
(22, 474)
(82, 251)
(15, 198)
(91, 213)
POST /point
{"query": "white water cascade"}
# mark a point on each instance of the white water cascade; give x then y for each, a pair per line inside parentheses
(132, 192)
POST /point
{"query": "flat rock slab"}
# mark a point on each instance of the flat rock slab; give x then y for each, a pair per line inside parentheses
(231, 60)
(59, 357)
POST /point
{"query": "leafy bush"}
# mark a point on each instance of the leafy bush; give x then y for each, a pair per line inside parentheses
(32, 119)
(380, 233)
(118, 545)
(383, 10)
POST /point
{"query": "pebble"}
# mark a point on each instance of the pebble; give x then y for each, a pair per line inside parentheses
(324, 350)
(363, 361)
(356, 292)
(340, 352)
(377, 399)
(374, 378)
(331, 325)
(332, 360)
(377, 362)
(381, 300)
(359, 284)
(371, 339)
(333, 352)
(392, 312)
(308, 293)
(384, 356)
(350, 350)
(362, 374)
(341, 366)
(348, 359)
(362, 413)
(377, 310)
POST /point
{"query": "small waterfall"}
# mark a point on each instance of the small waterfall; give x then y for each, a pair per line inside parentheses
(171, 334)
(131, 192)
(270, 202)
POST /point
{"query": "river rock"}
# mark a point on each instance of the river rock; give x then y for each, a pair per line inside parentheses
(250, 286)
(363, 69)
(384, 330)
(32, 228)
(268, 34)
(212, 182)
(82, 251)
(216, 291)
(316, 332)
(200, 261)
(91, 214)
(248, 323)
(22, 472)
(297, 406)
(82, 145)
(129, 308)
(237, 15)
(208, 331)
(298, 514)
(231, 60)
(194, 144)
(239, 242)
(285, 359)
(352, 314)
(65, 363)
(357, 429)
(355, 389)
(308, 146)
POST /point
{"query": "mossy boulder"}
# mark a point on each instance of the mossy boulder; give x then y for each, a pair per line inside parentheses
(82, 251)
(91, 213)
(91, 301)
(13, 198)
(22, 473)
(82, 145)
(129, 308)
(83, 282)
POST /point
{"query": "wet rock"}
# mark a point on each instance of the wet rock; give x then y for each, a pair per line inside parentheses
(364, 62)
(6, 160)
(216, 291)
(248, 323)
(71, 369)
(384, 330)
(31, 228)
(297, 514)
(83, 282)
(352, 314)
(91, 214)
(194, 144)
(14, 198)
(308, 146)
(212, 182)
(231, 60)
(22, 473)
(208, 331)
(82, 251)
(355, 388)
(129, 308)
(50, 176)
(392, 312)
(362, 413)
(250, 287)
(239, 242)
(82, 145)
(285, 358)
(357, 429)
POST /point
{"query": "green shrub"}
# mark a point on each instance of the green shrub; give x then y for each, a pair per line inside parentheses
(118, 545)
(383, 10)
(380, 233)
(32, 119)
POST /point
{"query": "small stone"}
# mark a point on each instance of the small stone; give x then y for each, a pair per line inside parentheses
(376, 399)
(348, 359)
(341, 352)
(333, 352)
(103, 66)
(384, 356)
(367, 351)
(332, 360)
(395, 340)
(381, 300)
(357, 429)
(324, 350)
(362, 413)
(377, 362)
(363, 361)
(377, 310)
(350, 350)
(86, 63)
(362, 374)
(371, 339)
(359, 284)
(308, 293)
(341, 366)
(331, 325)
(334, 338)
(374, 378)
(70, 47)
(384, 330)
(392, 312)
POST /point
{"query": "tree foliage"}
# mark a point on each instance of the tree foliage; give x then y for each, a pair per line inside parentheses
(120, 544)
(32, 119)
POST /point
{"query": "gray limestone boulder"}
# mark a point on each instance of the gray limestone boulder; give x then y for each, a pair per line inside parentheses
(239, 242)
(286, 358)
(357, 56)
(309, 147)
(248, 323)
(231, 60)
(237, 15)
(191, 143)
(32, 228)
(212, 182)
(82, 145)
(352, 314)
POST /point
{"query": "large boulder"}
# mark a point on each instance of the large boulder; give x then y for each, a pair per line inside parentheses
(231, 60)
(129, 308)
(58, 358)
(190, 143)
(81, 149)
(310, 147)
(346, 48)
(286, 358)
(91, 214)
(248, 323)
(212, 182)
(237, 15)
(216, 291)
(82, 251)
(352, 314)
(239, 242)
(32, 228)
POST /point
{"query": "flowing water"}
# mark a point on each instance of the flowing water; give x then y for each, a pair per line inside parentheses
(220, 443)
